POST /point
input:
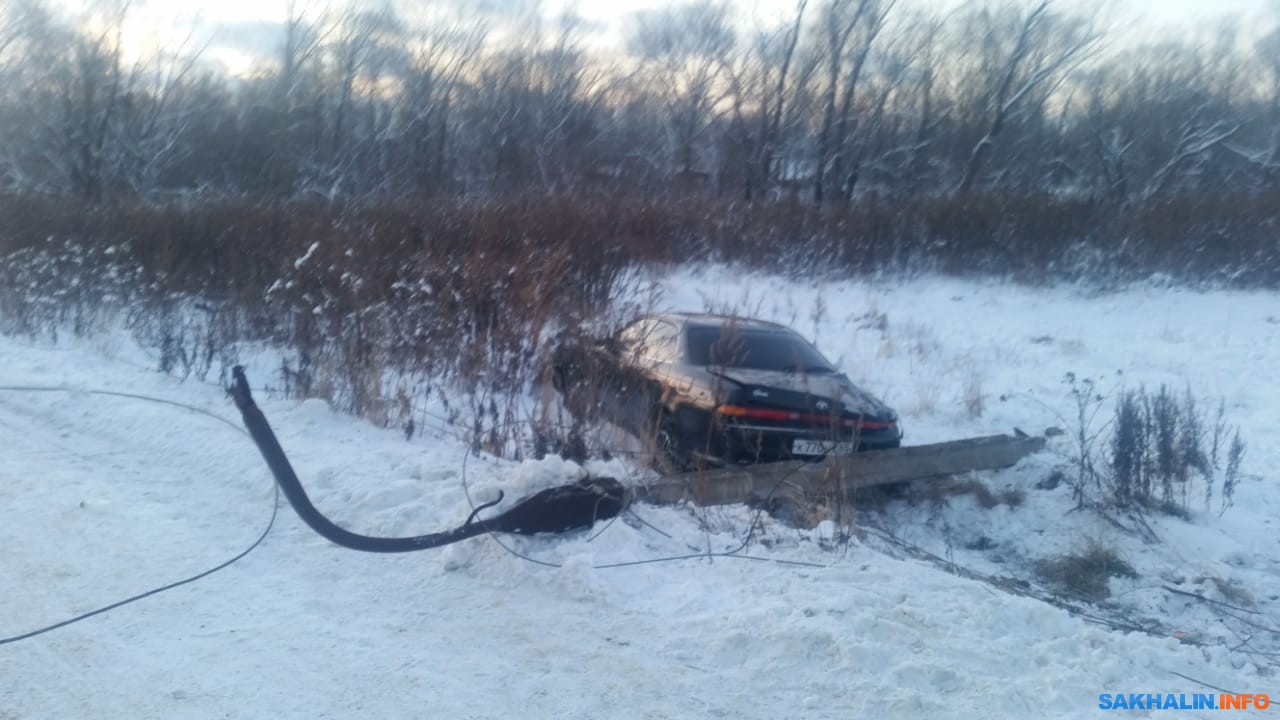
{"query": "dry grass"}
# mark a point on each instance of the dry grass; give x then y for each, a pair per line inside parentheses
(1085, 574)
(938, 491)
(468, 292)
(1232, 591)
(975, 399)
(1166, 452)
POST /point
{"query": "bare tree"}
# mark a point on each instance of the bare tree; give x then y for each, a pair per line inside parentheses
(153, 122)
(300, 51)
(1165, 118)
(357, 53)
(684, 51)
(19, 19)
(531, 118)
(850, 28)
(1110, 145)
(90, 88)
(284, 114)
(566, 98)
(1268, 50)
(929, 30)
(1044, 47)
(1196, 137)
(25, 34)
(835, 97)
(441, 55)
(776, 51)
(886, 140)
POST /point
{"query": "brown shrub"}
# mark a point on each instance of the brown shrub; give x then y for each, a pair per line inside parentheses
(467, 291)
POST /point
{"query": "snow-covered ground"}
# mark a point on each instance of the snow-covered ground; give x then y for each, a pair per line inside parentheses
(103, 497)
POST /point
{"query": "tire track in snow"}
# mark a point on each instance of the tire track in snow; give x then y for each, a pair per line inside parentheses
(85, 497)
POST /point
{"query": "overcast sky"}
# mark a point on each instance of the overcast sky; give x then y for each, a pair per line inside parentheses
(236, 33)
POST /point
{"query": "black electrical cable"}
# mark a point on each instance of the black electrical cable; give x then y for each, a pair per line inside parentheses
(735, 553)
(552, 510)
(272, 452)
(131, 396)
(275, 508)
(149, 593)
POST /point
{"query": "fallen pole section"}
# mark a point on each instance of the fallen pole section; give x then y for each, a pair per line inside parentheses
(838, 477)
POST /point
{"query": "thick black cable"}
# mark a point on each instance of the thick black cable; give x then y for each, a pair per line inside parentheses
(552, 510)
(275, 509)
(287, 481)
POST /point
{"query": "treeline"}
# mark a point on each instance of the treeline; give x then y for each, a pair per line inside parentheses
(837, 102)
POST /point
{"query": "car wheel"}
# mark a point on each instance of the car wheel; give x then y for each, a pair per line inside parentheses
(669, 456)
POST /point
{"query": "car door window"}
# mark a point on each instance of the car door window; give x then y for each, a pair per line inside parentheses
(634, 337)
(663, 343)
(649, 342)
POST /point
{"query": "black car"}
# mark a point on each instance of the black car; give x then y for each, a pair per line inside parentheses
(712, 389)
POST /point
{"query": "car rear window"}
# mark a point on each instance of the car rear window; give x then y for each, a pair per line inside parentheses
(752, 349)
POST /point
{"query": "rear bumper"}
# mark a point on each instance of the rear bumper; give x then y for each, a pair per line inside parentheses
(758, 443)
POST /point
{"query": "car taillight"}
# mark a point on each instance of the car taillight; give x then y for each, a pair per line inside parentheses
(789, 416)
(869, 424)
(762, 413)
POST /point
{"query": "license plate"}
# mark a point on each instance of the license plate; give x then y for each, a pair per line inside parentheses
(820, 447)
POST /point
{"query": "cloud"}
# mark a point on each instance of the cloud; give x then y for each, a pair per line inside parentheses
(256, 38)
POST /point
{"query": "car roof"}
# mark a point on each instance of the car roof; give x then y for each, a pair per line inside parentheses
(709, 320)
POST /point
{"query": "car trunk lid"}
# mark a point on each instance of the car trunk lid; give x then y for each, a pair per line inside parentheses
(822, 394)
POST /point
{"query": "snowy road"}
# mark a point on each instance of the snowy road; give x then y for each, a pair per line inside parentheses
(104, 497)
